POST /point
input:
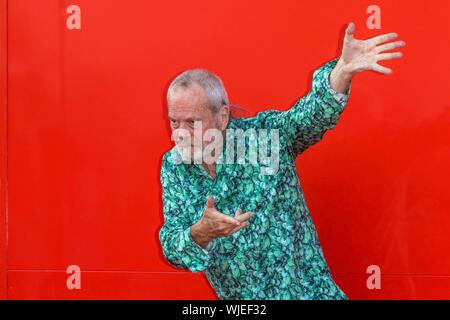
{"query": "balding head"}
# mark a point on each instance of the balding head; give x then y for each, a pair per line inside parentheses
(213, 88)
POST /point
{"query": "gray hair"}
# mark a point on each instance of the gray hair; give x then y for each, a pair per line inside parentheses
(212, 86)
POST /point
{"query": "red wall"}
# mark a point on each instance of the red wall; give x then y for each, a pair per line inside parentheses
(86, 130)
(3, 148)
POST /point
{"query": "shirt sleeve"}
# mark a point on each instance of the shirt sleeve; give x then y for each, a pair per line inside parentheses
(179, 248)
(306, 122)
(342, 98)
(309, 119)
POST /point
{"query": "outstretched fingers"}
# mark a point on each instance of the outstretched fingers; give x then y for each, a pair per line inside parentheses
(389, 56)
(378, 68)
(242, 225)
(243, 218)
(383, 38)
(227, 219)
(390, 46)
(383, 57)
(223, 218)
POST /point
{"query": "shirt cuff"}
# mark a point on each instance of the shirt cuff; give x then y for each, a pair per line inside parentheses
(195, 257)
(342, 98)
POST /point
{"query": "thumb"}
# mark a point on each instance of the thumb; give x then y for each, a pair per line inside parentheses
(350, 32)
(210, 202)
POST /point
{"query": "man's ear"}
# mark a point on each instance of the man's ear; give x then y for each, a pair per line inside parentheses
(223, 117)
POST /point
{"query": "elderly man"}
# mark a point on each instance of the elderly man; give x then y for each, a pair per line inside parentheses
(251, 232)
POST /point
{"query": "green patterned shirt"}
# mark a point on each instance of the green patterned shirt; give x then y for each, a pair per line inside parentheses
(278, 256)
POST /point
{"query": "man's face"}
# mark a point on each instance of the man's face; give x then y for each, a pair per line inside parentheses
(188, 108)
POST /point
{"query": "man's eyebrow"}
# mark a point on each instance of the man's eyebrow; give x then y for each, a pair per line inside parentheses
(187, 119)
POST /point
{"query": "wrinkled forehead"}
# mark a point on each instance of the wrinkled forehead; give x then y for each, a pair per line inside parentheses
(188, 104)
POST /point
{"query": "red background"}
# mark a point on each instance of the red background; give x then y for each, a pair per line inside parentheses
(86, 128)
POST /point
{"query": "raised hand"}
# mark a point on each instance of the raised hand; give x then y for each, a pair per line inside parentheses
(363, 55)
(214, 224)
